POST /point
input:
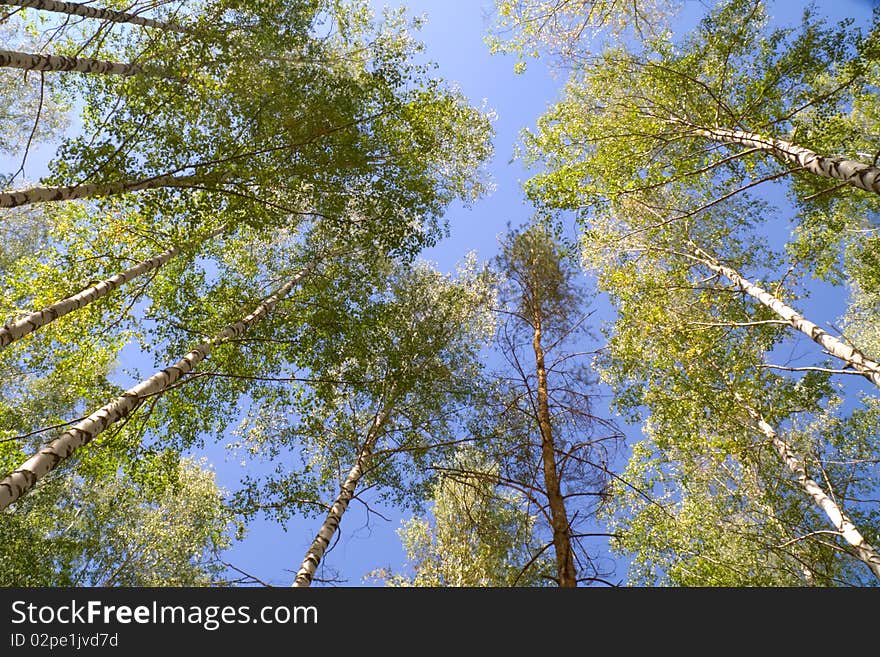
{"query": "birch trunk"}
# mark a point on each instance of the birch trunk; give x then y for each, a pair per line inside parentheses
(334, 516)
(92, 190)
(19, 482)
(30, 62)
(19, 328)
(864, 551)
(109, 15)
(863, 176)
(566, 573)
(833, 345)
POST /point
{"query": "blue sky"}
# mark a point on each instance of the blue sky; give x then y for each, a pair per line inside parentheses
(454, 40)
(453, 36)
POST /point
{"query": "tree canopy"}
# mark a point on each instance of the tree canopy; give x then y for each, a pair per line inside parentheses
(668, 375)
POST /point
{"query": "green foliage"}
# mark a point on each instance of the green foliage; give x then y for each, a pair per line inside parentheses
(538, 278)
(567, 29)
(705, 500)
(309, 135)
(389, 339)
(479, 534)
(112, 530)
(33, 106)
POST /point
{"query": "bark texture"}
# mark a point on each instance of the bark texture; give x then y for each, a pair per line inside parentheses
(23, 479)
(92, 190)
(30, 62)
(857, 174)
(19, 328)
(834, 346)
(334, 516)
(78, 9)
(863, 550)
(566, 573)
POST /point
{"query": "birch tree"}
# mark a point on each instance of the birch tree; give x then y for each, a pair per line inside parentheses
(330, 526)
(700, 366)
(402, 217)
(725, 106)
(23, 478)
(18, 328)
(64, 368)
(844, 526)
(851, 356)
(97, 524)
(270, 145)
(659, 150)
(391, 366)
(28, 62)
(33, 110)
(71, 356)
(100, 13)
(251, 133)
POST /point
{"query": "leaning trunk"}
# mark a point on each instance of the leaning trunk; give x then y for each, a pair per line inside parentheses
(857, 174)
(47, 459)
(334, 516)
(93, 190)
(841, 522)
(30, 62)
(850, 355)
(566, 573)
(21, 327)
(109, 15)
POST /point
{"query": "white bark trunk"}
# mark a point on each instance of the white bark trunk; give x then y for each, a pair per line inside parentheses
(30, 62)
(863, 176)
(19, 328)
(334, 515)
(26, 476)
(77, 9)
(92, 190)
(838, 518)
(834, 346)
